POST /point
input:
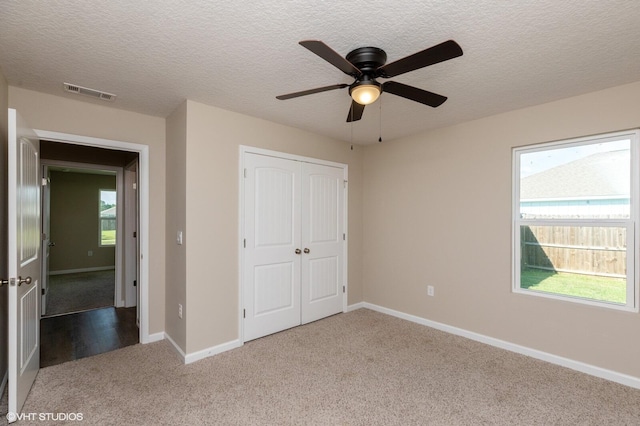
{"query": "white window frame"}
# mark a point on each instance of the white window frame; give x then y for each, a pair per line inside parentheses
(630, 223)
(100, 244)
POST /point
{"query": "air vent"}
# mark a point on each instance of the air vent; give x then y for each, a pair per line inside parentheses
(79, 90)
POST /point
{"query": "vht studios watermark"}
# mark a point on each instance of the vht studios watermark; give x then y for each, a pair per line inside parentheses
(44, 417)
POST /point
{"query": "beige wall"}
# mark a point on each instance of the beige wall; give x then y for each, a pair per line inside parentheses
(75, 225)
(54, 113)
(176, 267)
(211, 235)
(437, 211)
(4, 104)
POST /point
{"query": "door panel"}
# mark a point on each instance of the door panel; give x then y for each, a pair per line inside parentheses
(322, 225)
(272, 267)
(294, 253)
(24, 261)
(46, 239)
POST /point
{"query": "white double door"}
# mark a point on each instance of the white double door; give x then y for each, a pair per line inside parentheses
(294, 243)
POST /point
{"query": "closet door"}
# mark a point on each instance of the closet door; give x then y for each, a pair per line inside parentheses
(272, 232)
(322, 224)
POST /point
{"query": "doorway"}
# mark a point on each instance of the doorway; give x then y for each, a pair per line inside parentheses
(89, 303)
(79, 220)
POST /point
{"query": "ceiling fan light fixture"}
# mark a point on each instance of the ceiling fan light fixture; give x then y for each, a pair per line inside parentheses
(365, 93)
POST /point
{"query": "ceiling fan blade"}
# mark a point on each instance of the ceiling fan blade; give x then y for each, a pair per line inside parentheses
(428, 98)
(331, 56)
(311, 91)
(438, 53)
(355, 112)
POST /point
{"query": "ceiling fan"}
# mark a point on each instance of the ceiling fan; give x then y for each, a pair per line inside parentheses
(365, 64)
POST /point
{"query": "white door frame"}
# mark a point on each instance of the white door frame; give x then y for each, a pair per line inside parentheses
(118, 299)
(143, 193)
(241, 234)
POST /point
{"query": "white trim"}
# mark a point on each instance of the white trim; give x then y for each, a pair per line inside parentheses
(345, 240)
(582, 367)
(205, 353)
(249, 149)
(156, 337)
(175, 346)
(143, 194)
(244, 149)
(75, 271)
(355, 307)
(214, 350)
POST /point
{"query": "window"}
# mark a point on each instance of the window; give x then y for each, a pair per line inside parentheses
(107, 217)
(575, 206)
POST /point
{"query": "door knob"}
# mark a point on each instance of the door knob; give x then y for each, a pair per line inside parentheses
(306, 250)
(52, 244)
(298, 251)
(26, 281)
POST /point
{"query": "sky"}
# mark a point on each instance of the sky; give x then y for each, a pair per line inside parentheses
(538, 161)
(109, 197)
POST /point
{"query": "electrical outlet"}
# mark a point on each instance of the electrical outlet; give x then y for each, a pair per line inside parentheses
(430, 290)
(90, 253)
(179, 310)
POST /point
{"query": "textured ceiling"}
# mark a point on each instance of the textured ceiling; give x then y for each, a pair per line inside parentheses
(239, 55)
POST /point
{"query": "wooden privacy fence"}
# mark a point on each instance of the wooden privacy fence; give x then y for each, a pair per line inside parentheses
(590, 250)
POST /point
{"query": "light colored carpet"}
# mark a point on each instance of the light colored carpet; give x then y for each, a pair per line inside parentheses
(359, 368)
(80, 292)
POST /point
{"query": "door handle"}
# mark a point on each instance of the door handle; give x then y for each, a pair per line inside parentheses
(307, 251)
(298, 251)
(26, 281)
(3, 282)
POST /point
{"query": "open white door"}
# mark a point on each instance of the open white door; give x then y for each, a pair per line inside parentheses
(24, 261)
(46, 238)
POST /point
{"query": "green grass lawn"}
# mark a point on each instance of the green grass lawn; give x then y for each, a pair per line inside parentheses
(586, 286)
(108, 238)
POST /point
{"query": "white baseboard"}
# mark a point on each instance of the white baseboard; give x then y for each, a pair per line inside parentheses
(155, 337)
(3, 384)
(175, 346)
(214, 350)
(592, 370)
(355, 306)
(205, 353)
(75, 271)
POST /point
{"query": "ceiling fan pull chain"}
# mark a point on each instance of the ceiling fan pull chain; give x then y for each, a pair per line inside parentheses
(380, 129)
(351, 127)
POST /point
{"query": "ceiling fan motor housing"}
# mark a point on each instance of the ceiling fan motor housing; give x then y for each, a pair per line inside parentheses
(367, 59)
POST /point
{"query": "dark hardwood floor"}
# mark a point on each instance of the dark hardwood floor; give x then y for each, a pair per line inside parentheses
(68, 337)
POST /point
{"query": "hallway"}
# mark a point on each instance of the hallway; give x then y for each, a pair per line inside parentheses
(69, 337)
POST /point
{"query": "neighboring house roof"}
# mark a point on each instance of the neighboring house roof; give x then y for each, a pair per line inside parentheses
(595, 176)
(110, 212)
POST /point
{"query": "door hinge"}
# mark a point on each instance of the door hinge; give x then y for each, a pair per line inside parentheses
(344, 237)
(44, 291)
(244, 313)
(244, 243)
(344, 288)
(135, 234)
(135, 283)
(44, 236)
(135, 185)
(45, 181)
(345, 183)
(245, 173)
